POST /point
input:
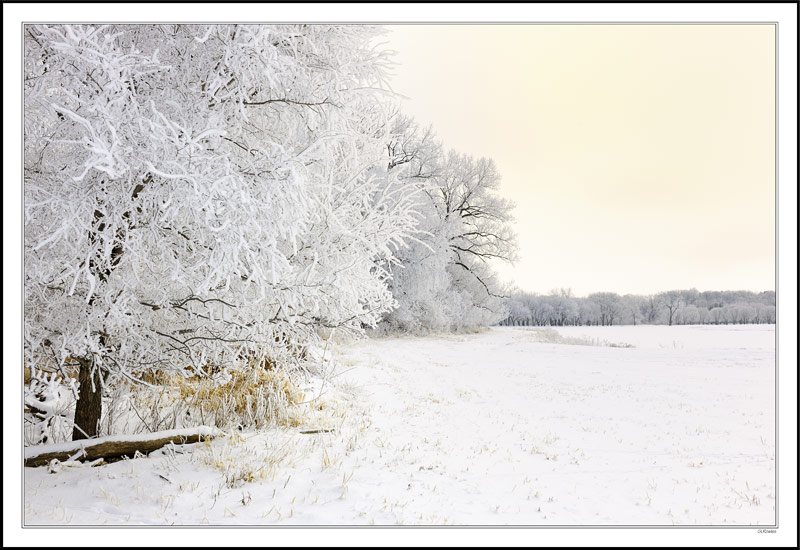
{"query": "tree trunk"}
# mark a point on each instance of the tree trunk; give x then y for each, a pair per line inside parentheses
(89, 407)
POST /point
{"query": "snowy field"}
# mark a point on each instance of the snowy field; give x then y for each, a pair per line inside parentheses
(515, 426)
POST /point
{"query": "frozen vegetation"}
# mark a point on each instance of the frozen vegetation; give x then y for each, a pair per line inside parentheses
(646, 425)
(674, 307)
(203, 201)
(215, 216)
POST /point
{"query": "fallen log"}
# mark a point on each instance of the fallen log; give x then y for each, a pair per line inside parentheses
(112, 448)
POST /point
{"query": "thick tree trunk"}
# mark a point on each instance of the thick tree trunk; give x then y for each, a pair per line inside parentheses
(89, 407)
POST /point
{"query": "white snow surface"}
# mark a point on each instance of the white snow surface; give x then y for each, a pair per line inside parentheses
(503, 427)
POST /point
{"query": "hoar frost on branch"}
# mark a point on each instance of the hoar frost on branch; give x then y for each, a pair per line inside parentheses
(444, 280)
(202, 195)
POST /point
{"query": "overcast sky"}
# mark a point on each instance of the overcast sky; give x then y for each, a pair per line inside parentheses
(640, 157)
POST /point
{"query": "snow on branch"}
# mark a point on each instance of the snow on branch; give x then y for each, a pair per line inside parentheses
(168, 225)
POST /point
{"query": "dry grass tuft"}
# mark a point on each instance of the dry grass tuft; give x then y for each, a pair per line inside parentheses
(255, 396)
(548, 335)
(241, 463)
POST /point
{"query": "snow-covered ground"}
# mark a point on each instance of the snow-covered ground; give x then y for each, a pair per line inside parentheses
(518, 426)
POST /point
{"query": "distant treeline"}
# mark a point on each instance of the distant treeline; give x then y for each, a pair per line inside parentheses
(675, 307)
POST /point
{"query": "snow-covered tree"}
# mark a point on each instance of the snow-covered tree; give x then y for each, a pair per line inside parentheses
(633, 307)
(766, 313)
(443, 280)
(651, 308)
(688, 315)
(671, 302)
(589, 312)
(200, 196)
(702, 315)
(716, 315)
(610, 306)
(565, 308)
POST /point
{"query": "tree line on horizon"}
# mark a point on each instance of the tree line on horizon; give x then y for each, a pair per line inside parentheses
(674, 307)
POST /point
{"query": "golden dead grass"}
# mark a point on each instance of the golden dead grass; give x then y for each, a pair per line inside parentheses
(257, 395)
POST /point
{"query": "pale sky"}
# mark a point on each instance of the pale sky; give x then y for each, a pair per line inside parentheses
(640, 157)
